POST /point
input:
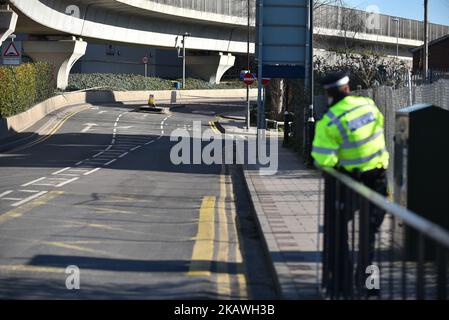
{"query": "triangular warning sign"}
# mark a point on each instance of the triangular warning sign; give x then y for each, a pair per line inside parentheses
(11, 51)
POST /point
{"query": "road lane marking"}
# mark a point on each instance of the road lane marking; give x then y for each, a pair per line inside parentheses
(33, 182)
(18, 212)
(123, 155)
(203, 249)
(91, 171)
(73, 247)
(223, 278)
(49, 135)
(30, 269)
(5, 193)
(135, 148)
(61, 171)
(67, 182)
(110, 162)
(88, 126)
(241, 277)
(213, 127)
(28, 199)
(98, 154)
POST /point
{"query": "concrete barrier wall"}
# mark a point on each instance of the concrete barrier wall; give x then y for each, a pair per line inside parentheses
(24, 120)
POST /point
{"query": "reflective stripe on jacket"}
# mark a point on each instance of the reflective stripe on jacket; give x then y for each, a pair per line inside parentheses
(351, 135)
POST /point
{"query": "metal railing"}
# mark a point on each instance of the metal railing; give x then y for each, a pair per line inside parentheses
(405, 258)
(326, 16)
(347, 19)
(235, 8)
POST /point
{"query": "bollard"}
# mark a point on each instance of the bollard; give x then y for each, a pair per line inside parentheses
(286, 127)
(151, 101)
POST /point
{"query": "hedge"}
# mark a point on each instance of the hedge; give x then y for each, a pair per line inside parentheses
(23, 86)
(130, 82)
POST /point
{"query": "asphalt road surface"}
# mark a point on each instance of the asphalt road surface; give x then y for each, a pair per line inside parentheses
(99, 192)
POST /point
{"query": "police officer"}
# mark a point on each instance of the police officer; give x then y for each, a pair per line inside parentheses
(350, 137)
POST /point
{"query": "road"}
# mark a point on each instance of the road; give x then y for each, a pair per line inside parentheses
(99, 192)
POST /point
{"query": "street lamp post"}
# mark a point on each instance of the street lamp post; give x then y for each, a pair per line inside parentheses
(248, 113)
(397, 37)
(184, 36)
(426, 39)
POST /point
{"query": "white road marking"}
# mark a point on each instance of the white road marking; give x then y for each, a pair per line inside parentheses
(88, 127)
(78, 163)
(91, 171)
(32, 182)
(110, 162)
(61, 171)
(123, 155)
(135, 148)
(149, 142)
(101, 112)
(29, 191)
(5, 193)
(66, 182)
(79, 170)
(32, 197)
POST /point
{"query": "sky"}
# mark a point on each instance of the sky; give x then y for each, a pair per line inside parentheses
(411, 9)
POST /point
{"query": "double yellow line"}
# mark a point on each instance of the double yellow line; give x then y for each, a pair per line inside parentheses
(214, 127)
(47, 136)
(204, 247)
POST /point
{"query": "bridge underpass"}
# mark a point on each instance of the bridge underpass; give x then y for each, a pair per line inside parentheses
(71, 26)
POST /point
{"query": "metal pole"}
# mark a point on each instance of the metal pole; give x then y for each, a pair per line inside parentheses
(397, 37)
(310, 85)
(184, 61)
(260, 111)
(146, 70)
(248, 111)
(426, 39)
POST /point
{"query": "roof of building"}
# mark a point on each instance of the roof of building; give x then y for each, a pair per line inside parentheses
(431, 43)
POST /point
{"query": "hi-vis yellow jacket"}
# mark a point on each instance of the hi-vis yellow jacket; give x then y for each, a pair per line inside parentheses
(351, 135)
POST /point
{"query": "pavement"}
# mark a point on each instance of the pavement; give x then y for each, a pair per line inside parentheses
(96, 189)
(286, 206)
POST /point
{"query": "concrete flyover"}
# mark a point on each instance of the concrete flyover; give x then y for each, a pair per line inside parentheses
(217, 27)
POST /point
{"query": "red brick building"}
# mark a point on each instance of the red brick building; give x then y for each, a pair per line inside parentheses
(438, 55)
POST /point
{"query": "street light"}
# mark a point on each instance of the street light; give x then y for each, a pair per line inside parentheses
(397, 37)
(184, 36)
(248, 111)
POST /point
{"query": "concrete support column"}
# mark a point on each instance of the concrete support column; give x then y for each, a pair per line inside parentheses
(8, 22)
(62, 54)
(210, 68)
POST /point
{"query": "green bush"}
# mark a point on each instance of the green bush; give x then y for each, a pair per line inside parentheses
(130, 82)
(23, 86)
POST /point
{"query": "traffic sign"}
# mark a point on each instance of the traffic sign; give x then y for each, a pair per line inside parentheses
(145, 60)
(11, 52)
(248, 79)
(265, 81)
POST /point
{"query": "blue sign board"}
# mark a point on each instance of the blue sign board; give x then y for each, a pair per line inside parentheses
(282, 37)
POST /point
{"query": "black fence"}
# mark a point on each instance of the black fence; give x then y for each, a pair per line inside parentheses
(375, 249)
